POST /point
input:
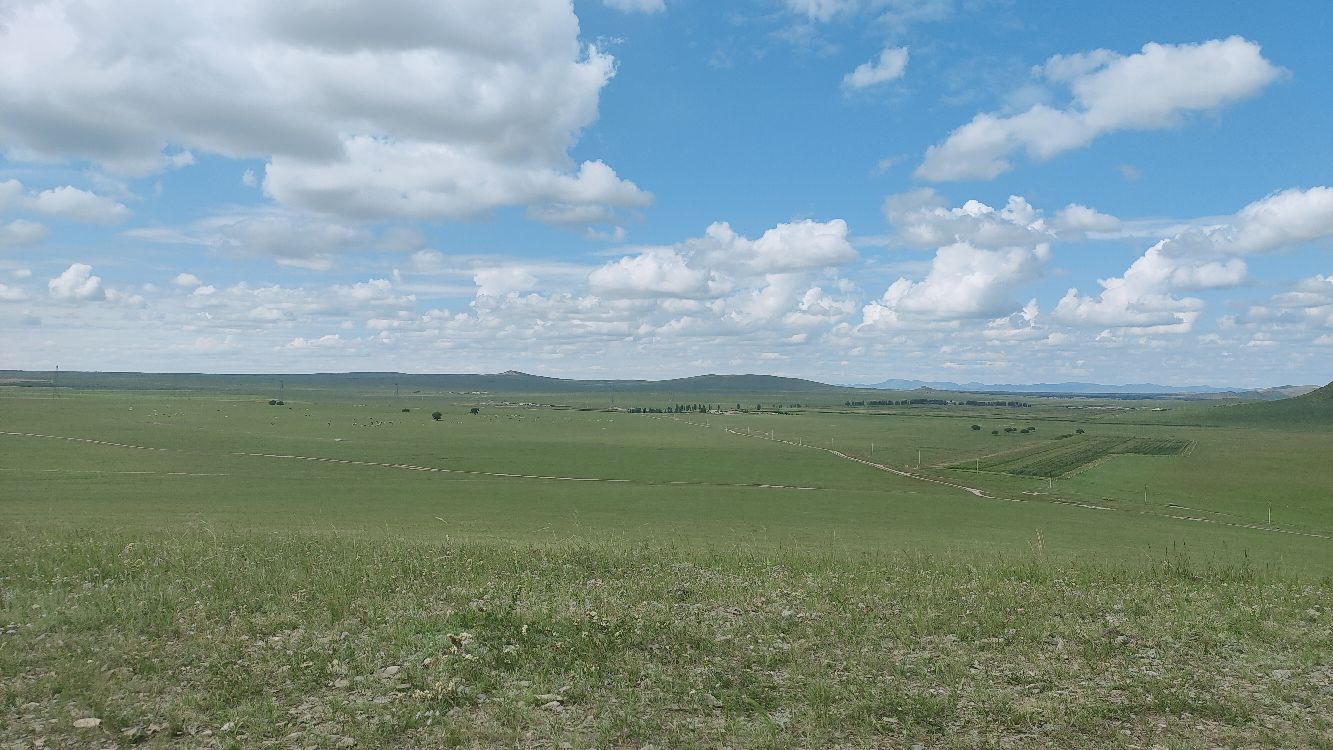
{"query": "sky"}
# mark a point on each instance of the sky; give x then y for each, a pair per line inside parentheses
(842, 190)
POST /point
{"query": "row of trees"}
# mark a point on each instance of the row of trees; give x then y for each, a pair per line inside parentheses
(698, 408)
(933, 402)
(674, 409)
(907, 402)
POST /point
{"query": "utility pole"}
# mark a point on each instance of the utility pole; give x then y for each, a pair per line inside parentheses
(918, 458)
(1270, 512)
(55, 383)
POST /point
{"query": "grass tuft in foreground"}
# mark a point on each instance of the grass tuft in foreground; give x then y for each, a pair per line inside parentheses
(301, 640)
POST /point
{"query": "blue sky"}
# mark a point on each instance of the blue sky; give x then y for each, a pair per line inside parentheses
(847, 190)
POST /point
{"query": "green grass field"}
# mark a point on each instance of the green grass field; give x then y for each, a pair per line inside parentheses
(324, 462)
(189, 558)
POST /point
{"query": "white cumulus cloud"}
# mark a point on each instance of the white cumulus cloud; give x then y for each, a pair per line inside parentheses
(1203, 257)
(10, 190)
(889, 66)
(964, 282)
(655, 273)
(1142, 301)
(1285, 219)
(1078, 218)
(78, 205)
(21, 233)
(329, 341)
(419, 108)
(502, 280)
(923, 218)
(77, 283)
(792, 246)
(1149, 90)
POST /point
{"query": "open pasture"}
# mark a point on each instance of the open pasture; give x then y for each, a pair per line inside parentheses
(362, 460)
(201, 568)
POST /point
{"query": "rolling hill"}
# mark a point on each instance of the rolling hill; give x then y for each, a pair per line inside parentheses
(1313, 410)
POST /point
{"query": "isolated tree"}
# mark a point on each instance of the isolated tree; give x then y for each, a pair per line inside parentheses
(1079, 430)
(273, 402)
(437, 416)
(405, 411)
(474, 410)
(976, 427)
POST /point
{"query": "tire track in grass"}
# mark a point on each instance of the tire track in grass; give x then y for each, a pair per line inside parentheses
(505, 475)
(978, 493)
(429, 469)
(409, 467)
(982, 494)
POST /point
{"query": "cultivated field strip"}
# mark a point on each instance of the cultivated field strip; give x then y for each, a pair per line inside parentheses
(413, 467)
(1063, 458)
(983, 494)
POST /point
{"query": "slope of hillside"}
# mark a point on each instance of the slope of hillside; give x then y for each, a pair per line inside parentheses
(1311, 411)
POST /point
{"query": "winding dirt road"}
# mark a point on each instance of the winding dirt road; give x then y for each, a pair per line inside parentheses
(983, 494)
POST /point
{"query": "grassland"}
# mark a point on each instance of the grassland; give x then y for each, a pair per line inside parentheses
(250, 640)
(197, 567)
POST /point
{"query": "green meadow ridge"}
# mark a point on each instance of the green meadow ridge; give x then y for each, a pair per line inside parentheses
(1312, 409)
(185, 564)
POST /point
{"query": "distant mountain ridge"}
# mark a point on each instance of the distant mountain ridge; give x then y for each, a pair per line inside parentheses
(515, 381)
(1078, 388)
(509, 381)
